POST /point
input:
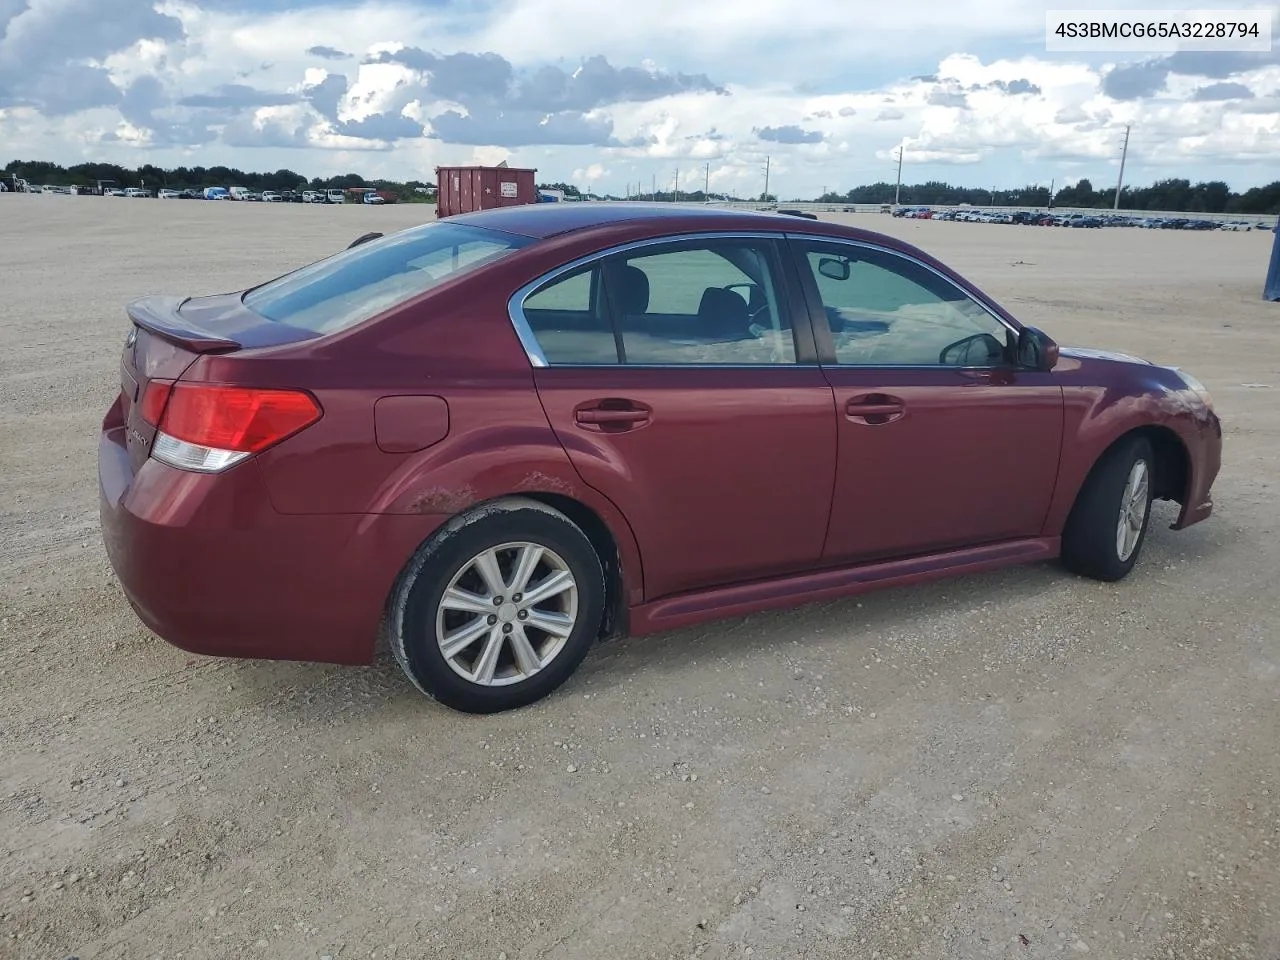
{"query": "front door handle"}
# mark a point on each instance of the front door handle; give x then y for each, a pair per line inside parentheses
(873, 409)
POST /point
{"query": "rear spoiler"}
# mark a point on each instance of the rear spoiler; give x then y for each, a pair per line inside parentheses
(159, 315)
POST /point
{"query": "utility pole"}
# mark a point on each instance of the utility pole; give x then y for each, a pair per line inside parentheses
(706, 184)
(897, 191)
(677, 196)
(1124, 153)
(766, 179)
(1052, 181)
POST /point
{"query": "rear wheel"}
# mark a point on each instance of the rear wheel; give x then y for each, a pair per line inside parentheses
(1108, 524)
(500, 609)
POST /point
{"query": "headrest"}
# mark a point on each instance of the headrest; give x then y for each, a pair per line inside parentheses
(722, 313)
(627, 287)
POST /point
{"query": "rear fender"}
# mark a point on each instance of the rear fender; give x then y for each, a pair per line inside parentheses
(444, 481)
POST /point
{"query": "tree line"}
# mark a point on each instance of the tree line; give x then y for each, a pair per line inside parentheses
(1171, 195)
(1180, 195)
(151, 177)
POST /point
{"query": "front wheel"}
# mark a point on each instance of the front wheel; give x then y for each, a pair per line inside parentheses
(500, 609)
(1108, 524)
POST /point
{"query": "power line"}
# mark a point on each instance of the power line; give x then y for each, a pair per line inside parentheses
(1124, 155)
(897, 190)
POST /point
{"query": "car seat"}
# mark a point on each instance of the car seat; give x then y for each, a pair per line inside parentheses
(723, 315)
(626, 288)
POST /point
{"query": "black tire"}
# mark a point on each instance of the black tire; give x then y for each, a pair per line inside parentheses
(413, 617)
(1089, 541)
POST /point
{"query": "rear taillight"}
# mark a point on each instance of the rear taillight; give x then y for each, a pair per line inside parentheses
(208, 428)
(153, 401)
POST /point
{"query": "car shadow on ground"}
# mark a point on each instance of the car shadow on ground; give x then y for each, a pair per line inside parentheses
(859, 621)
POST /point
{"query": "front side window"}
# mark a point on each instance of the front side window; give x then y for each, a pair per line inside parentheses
(703, 302)
(885, 310)
(360, 282)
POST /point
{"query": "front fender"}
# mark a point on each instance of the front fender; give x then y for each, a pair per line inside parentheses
(1106, 399)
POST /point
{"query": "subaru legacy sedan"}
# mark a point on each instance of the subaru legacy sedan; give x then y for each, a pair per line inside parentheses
(498, 438)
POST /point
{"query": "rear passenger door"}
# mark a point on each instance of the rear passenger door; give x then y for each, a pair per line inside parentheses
(682, 379)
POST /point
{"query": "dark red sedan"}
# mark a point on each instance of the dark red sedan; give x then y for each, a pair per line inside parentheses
(506, 435)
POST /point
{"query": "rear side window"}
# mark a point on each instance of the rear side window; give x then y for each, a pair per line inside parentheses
(704, 302)
(356, 284)
(572, 326)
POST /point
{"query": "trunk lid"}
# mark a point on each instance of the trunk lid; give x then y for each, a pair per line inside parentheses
(166, 337)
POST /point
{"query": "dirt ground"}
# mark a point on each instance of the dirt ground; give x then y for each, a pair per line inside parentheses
(1020, 764)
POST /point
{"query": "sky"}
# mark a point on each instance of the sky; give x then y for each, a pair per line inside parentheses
(609, 96)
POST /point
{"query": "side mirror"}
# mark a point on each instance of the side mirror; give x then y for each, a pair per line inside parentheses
(1036, 350)
(834, 268)
(979, 350)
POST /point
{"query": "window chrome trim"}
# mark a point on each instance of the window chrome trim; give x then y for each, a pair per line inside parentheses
(533, 350)
(980, 301)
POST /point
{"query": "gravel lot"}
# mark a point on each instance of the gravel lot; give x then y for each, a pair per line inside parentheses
(1020, 764)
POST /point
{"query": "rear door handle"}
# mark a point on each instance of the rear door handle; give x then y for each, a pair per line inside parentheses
(874, 408)
(612, 415)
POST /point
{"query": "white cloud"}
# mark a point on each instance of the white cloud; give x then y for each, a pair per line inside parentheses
(826, 96)
(585, 175)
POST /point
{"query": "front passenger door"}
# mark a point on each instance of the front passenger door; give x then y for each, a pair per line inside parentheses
(942, 442)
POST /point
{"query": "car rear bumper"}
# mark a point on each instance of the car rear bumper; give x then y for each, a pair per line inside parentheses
(210, 567)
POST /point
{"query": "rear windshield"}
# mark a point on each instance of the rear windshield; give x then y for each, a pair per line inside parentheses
(360, 282)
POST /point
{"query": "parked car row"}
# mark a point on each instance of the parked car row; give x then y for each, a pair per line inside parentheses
(1079, 220)
(242, 193)
(369, 196)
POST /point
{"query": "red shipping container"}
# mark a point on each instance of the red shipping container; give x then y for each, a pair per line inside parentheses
(465, 189)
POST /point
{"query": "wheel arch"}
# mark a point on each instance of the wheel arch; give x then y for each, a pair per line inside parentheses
(1172, 467)
(615, 622)
(1173, 463)
(618, 572)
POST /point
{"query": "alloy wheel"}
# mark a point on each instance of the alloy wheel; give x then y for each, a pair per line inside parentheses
(1133, 510)
(507, 613)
